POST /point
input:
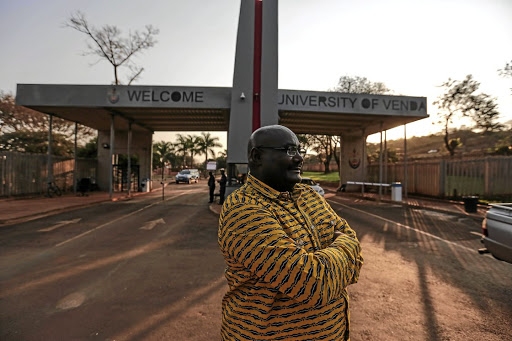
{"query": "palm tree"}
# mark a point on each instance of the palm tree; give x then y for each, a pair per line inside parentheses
(205, 144)
(193, 144)
(187, 144)
(182, 147)
(162, 153)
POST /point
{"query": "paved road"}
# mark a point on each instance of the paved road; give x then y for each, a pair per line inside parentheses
(140, 269)
(147, 269)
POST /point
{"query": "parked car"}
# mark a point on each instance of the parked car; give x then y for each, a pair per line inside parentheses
(188, 176)
(497, 232)
(314, 185)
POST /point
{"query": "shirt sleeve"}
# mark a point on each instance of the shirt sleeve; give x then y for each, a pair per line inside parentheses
(252, 237)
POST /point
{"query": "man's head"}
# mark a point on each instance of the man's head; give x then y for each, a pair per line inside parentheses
(274, 158)
(211, 174)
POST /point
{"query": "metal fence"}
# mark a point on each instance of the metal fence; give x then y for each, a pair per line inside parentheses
(22, 174)
(490, 176)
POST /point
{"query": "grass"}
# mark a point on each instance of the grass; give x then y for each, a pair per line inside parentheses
(320, 176)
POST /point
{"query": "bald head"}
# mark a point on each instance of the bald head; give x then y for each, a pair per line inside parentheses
(269, 160)
(268, 134)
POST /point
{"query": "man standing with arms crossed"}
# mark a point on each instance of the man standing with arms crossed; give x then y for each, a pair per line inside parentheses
(289, 256)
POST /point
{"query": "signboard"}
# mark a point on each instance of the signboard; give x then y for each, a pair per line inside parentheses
(211, 165)
(337, 102)
(124, 96)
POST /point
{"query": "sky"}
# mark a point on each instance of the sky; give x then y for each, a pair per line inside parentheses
(412, 46)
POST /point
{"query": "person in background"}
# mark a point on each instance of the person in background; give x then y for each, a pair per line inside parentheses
(289, 256)
(211, 185)
(222, 182)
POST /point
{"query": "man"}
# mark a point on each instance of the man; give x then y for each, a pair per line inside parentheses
(211, 185)
(222, 182)
(289, 256)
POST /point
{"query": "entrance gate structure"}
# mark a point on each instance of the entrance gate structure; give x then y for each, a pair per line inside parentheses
(127, 116)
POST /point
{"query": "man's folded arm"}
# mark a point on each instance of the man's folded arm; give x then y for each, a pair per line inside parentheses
(253, 237)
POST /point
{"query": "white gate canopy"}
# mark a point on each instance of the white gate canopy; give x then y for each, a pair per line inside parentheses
(169, 108)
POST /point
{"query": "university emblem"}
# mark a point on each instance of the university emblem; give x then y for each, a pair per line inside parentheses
(113, 96)
(354, 161)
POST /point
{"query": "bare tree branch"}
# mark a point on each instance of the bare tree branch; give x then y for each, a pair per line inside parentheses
(108, 44)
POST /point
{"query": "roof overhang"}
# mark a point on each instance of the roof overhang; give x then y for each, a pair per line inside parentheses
(153, 108)
(336, 113)
(165, 108)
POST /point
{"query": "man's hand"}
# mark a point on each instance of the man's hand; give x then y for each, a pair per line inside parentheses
(336, 235)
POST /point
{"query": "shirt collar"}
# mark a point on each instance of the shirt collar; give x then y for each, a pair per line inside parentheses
(268, 191)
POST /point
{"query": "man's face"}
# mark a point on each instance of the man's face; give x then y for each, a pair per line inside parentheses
(279, 170)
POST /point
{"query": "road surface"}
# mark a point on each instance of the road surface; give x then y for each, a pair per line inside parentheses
(148, 269)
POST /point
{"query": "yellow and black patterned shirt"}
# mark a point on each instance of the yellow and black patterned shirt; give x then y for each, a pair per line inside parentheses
(287, 277)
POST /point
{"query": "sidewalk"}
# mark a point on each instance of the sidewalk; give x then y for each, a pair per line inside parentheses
(14, 210)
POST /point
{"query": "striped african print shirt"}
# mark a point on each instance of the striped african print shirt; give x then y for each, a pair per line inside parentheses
(287, 277)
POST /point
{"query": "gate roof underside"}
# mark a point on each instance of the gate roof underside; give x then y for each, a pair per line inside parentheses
(152, 119)
(164, 108)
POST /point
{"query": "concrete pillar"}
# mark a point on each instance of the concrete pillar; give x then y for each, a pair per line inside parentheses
(240, 119)
(254, 92)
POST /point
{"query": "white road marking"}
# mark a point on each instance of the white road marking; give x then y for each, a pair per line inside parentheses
(113, 221)
(150, 224)
(405, 226)
(62, 223)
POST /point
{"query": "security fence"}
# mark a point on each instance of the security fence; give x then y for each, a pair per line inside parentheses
(22, 174)
(488, 177)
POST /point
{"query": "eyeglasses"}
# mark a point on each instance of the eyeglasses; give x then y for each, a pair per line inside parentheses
(290, 151)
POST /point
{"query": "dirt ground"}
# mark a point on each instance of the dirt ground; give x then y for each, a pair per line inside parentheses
(400, 299)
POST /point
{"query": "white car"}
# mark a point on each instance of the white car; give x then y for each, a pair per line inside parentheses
(313, 184)
(187, 175)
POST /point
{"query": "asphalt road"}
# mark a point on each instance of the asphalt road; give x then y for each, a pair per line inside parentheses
(148, 269)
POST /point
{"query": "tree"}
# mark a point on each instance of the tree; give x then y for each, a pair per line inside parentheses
(485, 113)
(325, 147)
(90, 150)
(187, 144)
(359, 85)
(206, 143)
(162, 153)
(460, 100)
(506, 71)
(24, 141)
(26, 130)
(107, 43)
(222, 159)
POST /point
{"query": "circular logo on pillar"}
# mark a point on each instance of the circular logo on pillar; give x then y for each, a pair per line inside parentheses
(353, 160)
(113, 96)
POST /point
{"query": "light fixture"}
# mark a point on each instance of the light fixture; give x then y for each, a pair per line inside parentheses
(106, 145)
(242, 96)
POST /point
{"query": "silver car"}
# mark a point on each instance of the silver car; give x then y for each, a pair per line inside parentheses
(497, 232)
(314, 185)
(187, 175)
